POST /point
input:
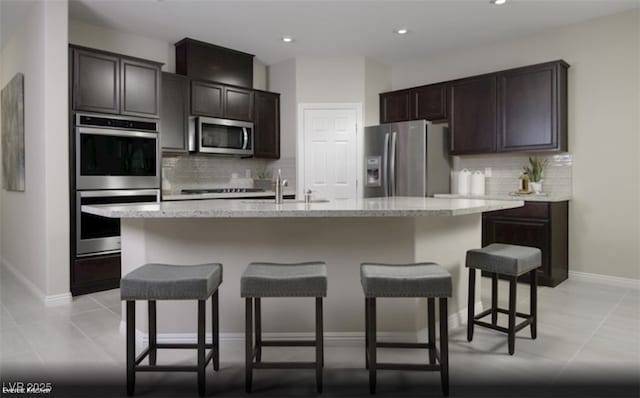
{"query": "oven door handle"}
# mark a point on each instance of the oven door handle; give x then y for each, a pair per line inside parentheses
(118, 133)
(121, 192)
(245, 138)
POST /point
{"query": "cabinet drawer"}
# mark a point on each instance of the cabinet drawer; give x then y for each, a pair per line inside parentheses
(88, 270)
(538, 210)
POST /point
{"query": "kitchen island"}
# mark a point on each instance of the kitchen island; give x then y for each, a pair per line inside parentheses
(343, 233)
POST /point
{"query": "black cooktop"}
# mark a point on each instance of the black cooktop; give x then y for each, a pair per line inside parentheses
(221, 190)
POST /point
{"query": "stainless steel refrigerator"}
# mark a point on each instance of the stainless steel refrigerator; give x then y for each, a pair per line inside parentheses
(406, 159)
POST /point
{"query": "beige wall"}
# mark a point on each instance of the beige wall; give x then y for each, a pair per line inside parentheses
(604, 132)
(377, 79)
(34, 223)
(330, 79)
(84, 34)
(282, 79)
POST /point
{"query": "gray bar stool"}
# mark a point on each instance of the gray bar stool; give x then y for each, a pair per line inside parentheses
(282, 280)
(508, 261)
(153, 282)
(428, 280)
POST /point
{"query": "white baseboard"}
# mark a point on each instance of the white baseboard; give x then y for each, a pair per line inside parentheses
(49, 301)
(58, 299)
(606, 279)
(455, 320)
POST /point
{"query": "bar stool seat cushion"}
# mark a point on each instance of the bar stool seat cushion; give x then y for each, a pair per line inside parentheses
(504, 259)
(405, 280)
(171, 282)
(307, 279)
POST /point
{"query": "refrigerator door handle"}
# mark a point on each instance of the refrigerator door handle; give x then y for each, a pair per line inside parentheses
(392, 163)
(385, 164)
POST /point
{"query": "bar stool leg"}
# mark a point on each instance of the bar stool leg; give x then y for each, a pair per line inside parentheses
(366, 333)
(319, 344)
(444, 345)
(202, 305)
(215, 330)
(513, 281)
(471, 303)
(248, 338)
(494, 299)
(431, 328)
(258, 323)
(153, 332)
(131, 347)
(372, 345)
(533, 297)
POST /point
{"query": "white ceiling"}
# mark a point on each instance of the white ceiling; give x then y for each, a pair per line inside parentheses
(347, 27)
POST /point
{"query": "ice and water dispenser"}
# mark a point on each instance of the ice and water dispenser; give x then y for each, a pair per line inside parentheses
(374, 173)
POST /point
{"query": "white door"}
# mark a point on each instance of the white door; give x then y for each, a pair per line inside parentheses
(330, 157)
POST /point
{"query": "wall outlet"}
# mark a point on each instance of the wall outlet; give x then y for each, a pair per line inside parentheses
(487, 171)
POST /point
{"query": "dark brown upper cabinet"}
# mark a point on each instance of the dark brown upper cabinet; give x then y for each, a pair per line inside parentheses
(266, 125)
(110, 83)
(533, 106)
(473, 118)
(174, 115)
(205, 61)
(207, 99)
(96, 79)
(395, 106)
(220, 100)
(238, 103)
(516, 110)
(139, 88)
(429, 102)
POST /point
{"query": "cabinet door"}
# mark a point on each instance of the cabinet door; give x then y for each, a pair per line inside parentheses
(473, 121)
(174, 116)
(266, 125)
(429, 102)
(139, 88)
(238, 104)
(95, 82)
(529, 109)
(524, 232)
(206, 99)
(395, 107)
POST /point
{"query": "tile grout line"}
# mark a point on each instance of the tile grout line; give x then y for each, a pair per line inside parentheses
(95, 343)
(105, 307)
(574, 356)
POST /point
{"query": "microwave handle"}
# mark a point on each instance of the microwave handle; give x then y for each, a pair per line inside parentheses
(192, 131)
(245, 136)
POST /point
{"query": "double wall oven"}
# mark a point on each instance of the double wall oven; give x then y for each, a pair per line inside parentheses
(117, 161)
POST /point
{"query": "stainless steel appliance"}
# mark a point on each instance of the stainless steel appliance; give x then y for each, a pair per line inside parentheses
(223, 137)
(406, 159)
(116, 153)
(101, 235)
(221, 190)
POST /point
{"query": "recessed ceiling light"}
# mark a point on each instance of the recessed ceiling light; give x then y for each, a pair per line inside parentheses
(498, 2)
(401, 31)
(287, 39)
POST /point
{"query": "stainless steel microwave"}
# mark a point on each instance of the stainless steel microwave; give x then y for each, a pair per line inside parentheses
(224, 137)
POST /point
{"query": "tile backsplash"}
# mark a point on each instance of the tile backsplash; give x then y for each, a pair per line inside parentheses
(203, 171)
(505, 170)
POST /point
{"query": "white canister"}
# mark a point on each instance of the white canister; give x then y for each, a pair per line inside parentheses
(454, 181)
(464, 182)
(477, 183)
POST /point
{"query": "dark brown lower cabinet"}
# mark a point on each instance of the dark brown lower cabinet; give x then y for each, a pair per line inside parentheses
(93, 274)
(538, 224)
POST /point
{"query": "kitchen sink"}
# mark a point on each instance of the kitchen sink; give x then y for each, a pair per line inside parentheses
(272, 201)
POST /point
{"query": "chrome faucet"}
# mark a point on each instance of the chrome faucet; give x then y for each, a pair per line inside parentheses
(280, 184)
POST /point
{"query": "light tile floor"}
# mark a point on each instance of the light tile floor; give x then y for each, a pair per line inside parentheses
(588, 345)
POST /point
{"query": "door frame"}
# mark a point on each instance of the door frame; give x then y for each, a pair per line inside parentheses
(300, 147)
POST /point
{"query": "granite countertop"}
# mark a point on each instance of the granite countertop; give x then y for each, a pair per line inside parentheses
(544, 197)
(228, 195)
(371, 207)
